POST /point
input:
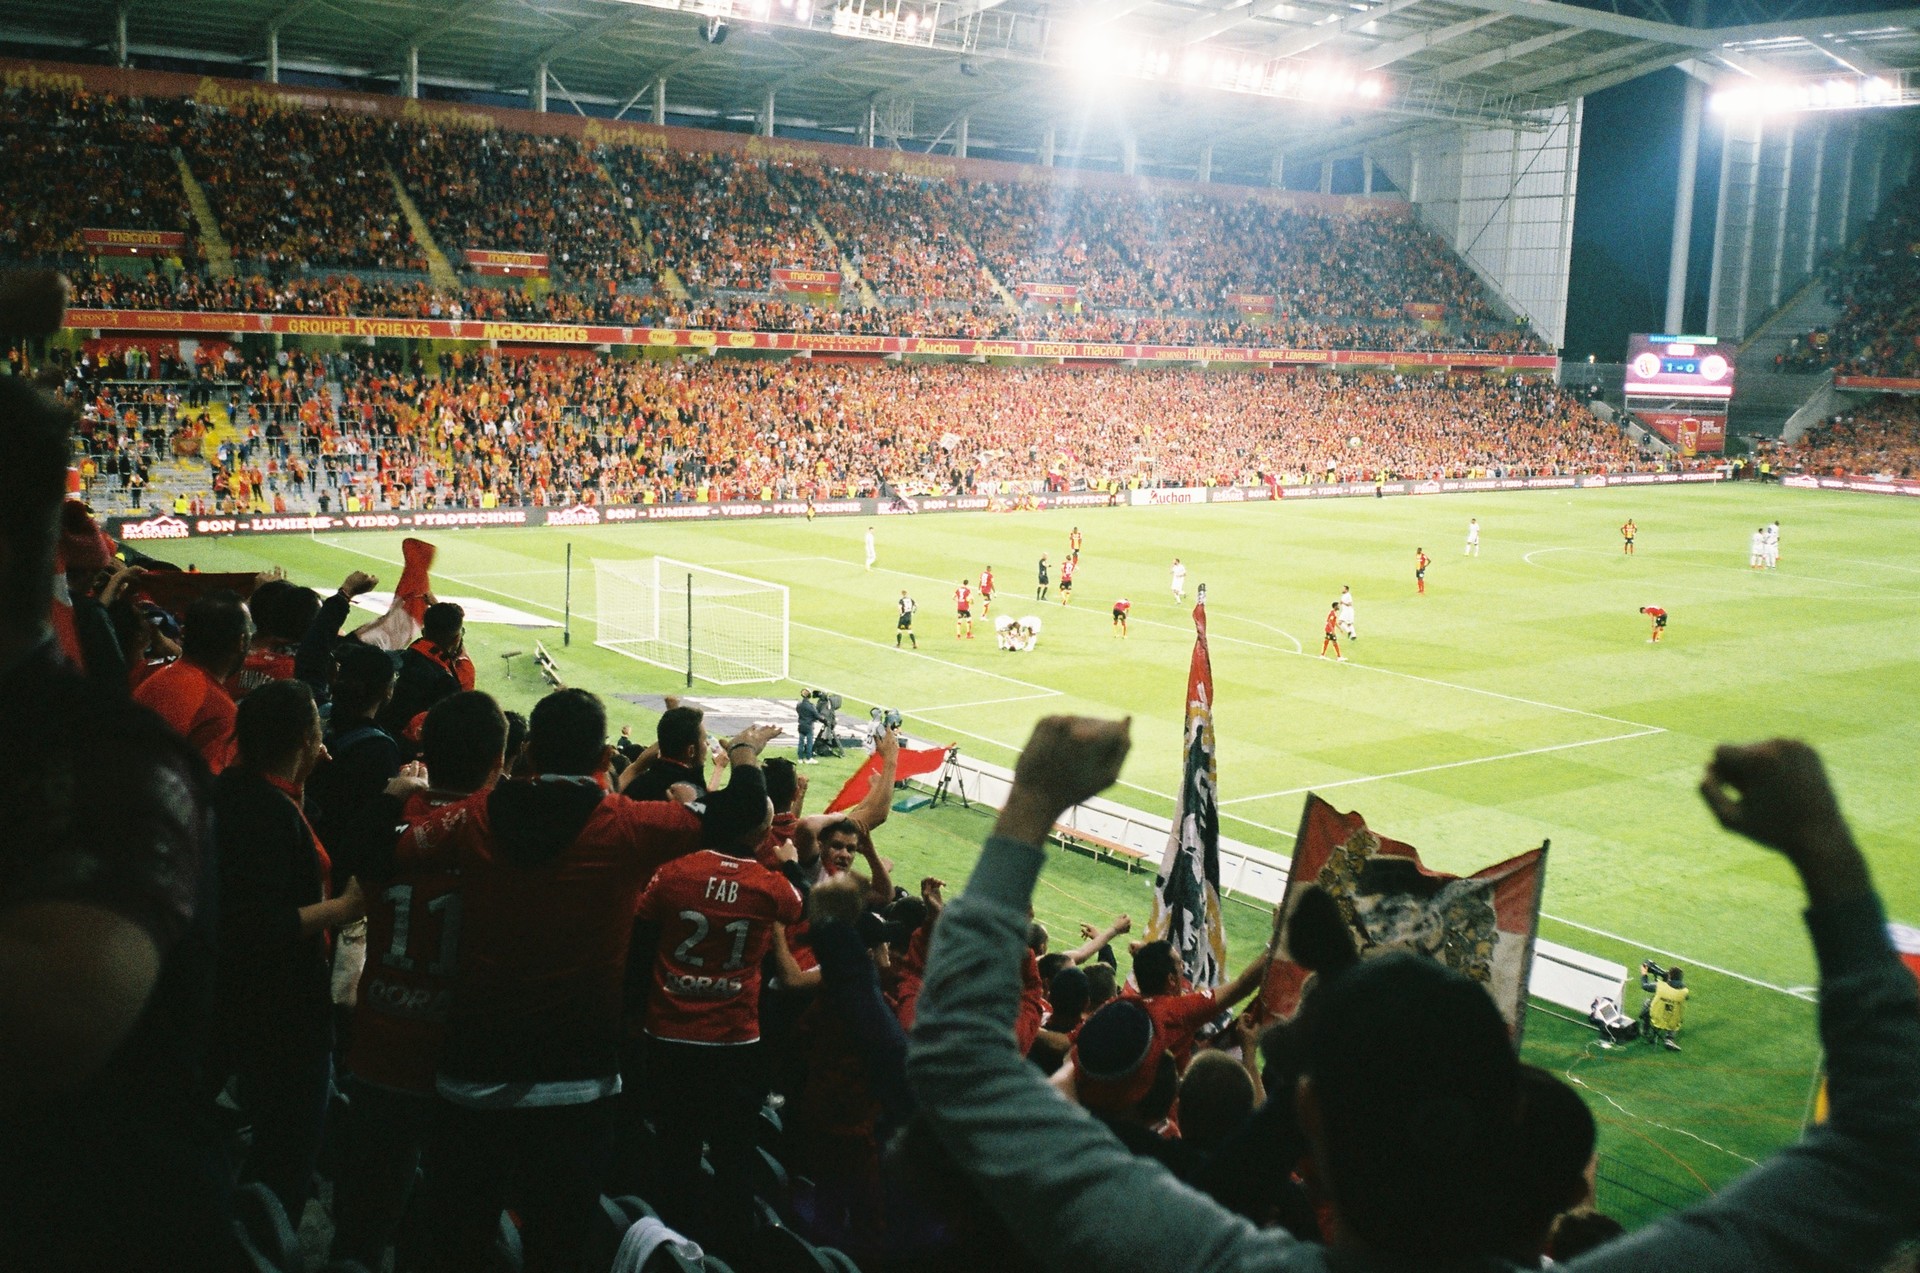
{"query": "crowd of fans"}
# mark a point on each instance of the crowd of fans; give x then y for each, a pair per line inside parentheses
(82, 162)
(374, 431)
(466, 976)
(301, 189)
(1877, 287)
(639, 236)
(1881, 438)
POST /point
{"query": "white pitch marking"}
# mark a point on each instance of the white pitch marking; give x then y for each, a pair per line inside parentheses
(1451, 764)
(1687, 961)
(979, 702)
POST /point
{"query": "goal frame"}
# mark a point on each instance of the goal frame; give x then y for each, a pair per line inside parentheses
(669, 581)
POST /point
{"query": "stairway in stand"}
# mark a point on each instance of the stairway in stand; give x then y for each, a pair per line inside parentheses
(212, 242)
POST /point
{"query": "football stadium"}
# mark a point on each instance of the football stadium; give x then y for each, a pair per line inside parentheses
(725, 634)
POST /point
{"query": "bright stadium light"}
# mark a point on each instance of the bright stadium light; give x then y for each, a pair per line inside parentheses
(1828, 93)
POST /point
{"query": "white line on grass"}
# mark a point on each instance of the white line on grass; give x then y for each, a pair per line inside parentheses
(1451, 764)
(1685, 960)
(978, 702)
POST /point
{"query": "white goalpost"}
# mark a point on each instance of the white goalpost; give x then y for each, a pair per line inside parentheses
(713, 625)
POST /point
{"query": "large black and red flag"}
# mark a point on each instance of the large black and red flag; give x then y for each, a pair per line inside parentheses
(1482, 925)
(1186, 892)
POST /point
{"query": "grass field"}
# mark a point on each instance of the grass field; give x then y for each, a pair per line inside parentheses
(1517, 701)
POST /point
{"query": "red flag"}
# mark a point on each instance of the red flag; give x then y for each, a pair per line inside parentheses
(911, 765)
(1186, 892)
(1482, 925)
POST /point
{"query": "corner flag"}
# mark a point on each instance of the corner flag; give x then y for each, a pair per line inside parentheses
(1186, 892)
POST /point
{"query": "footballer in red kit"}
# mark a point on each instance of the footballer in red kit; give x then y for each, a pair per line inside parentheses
(963, 610)
(1331, 633)
(1420, 560)
(986, 590)
(1120, 609)
(1067, 568)
(1659, 617)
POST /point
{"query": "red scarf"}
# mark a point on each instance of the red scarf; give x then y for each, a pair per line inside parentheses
(298, 796)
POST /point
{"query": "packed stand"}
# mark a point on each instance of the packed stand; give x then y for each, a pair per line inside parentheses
(721, 222)
(88, 162)
(305, 196)
(506, 992)
(1879, 439)
(361, 431)
(1877, 287)
(298, 189)
(513, 192)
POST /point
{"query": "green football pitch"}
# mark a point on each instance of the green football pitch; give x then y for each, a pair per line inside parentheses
(1518, 700)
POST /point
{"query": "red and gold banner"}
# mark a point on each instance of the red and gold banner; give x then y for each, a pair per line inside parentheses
(133, 242)
(513, 264)
(1253, 302)
(1479, 925)
(1693, 434)
(790, 279)
(1425, 311)
(1048, 293)
(1885, 384)
(186, 323)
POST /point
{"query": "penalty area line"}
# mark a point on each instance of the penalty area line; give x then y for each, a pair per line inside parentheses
(1451, 764)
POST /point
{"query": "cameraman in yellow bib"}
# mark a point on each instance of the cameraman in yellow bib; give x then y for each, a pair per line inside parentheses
(1660, 1018)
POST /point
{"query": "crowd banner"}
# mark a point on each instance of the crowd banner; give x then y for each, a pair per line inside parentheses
(789, 279)
(511, 264)
(155, 525)
(133, 242)
(1869, 485)
(1481, 925)
(1882, 384)
(1425, 311)
(702, 339)
(1253, 302)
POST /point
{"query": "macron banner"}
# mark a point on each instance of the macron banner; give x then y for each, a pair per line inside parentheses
(511, 264)
(133, 242)
(789, 279)
(1481, 925)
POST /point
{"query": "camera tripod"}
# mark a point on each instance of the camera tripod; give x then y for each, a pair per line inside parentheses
(951, 779)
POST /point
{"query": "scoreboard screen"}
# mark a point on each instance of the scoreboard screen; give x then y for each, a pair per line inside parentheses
(1679, 367)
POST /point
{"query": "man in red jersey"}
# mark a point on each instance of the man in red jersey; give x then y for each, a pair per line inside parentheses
(963, 610)
(715, 911)
(1121, 608)
(189, 693)
(1420, 560)
(1331, 633)
(1659, 617)
(986, 591)
(1179, 1013)
(413, 928)
(552, 867)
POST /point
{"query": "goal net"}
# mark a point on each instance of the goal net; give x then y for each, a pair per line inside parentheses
(720, 627)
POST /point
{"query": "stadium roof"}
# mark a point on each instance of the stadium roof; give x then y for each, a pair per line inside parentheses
(1247, 79)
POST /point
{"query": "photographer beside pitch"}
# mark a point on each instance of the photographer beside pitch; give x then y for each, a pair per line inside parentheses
(1660, 1016)
(1076, 1198)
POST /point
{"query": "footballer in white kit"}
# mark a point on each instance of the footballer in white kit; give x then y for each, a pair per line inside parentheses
(1473, 537)
(1773, 545)
(870, 554)
(1757, 549)
(1179, 581)
(1345, 607)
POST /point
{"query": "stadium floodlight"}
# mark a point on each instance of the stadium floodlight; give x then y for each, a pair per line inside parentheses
(712, 625)
(1825, 93)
